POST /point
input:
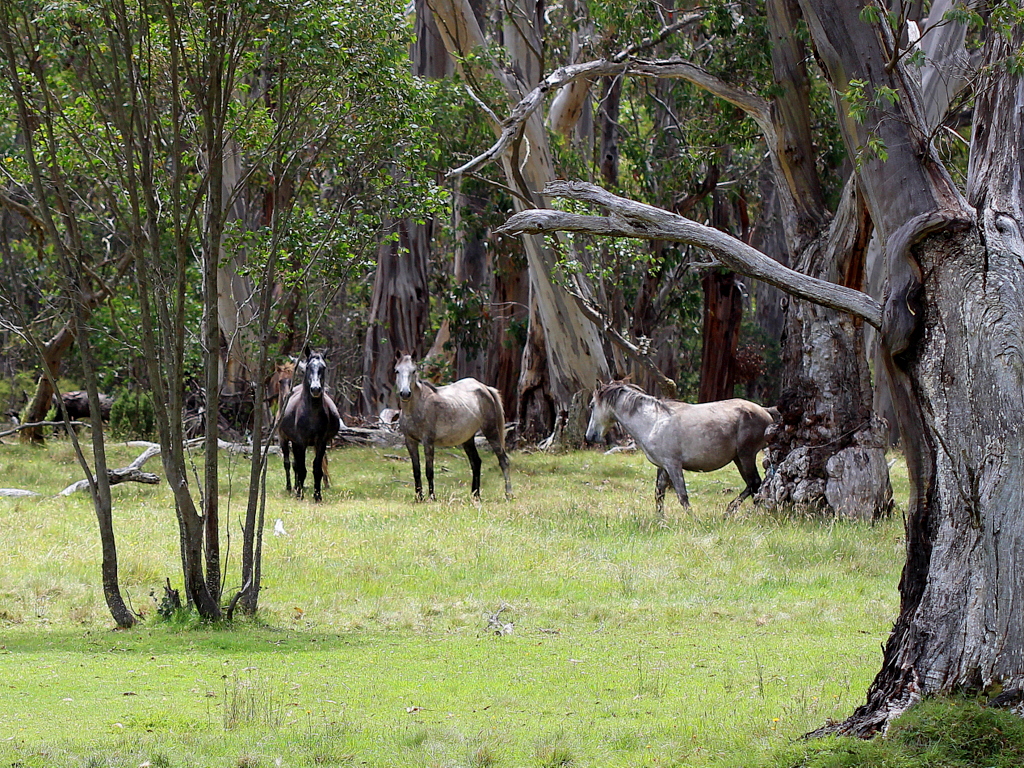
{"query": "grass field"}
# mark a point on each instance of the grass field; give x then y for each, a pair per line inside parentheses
(565, 627)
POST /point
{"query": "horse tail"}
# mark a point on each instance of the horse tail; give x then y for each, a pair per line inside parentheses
(774, 413)
(499, 409)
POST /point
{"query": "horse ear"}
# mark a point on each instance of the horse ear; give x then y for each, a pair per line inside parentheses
(306, 351)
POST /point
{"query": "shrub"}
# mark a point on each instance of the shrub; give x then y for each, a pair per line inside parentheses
(132, 415)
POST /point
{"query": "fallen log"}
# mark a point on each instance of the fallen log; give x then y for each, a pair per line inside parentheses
(115, 476)
(132, 473)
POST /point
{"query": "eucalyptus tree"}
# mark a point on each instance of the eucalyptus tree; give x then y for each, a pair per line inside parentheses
(951, 322)
(564, 353)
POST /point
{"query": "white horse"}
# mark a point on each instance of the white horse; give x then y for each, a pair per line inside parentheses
(441, 417)
(677, 436)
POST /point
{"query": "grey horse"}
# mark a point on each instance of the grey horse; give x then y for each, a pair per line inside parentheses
(677, 436)
(441, 417)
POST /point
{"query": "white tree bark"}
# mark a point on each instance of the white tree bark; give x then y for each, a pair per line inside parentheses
(575, 358)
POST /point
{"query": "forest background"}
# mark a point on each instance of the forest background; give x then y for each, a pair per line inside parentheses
(193, 192)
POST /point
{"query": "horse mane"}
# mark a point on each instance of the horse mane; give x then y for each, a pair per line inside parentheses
(629, 396)
(428, 385)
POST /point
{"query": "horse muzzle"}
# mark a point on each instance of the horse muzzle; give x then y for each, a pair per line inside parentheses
(404, 394)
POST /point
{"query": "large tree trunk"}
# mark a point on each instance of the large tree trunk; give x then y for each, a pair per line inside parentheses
(398, 316)
(723, 313)
(573, 355)
(535, 409)
(235, 288)
(953, 328)
(943, 74)
(768, 236)
(509, 319)
(473, 270)
(53, 355)
(828, 454)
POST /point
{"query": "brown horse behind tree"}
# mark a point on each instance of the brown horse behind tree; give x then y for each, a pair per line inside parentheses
(279, 386)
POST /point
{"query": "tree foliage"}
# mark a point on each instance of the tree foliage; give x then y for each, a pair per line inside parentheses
(152, 139)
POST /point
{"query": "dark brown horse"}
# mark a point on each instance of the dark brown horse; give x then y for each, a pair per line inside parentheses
(440, 417)
(675, 435)
(77, 405)
(310, 420)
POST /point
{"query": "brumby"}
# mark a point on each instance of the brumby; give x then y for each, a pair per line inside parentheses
(677, 436)
(441, 417)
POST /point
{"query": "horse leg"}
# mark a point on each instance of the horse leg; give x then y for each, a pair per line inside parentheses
(319, 459)
(300, 469)
(660, 486)
(495, 444)
(747, 465)
(287, 453)
(676, 476)
(474, 463)
(414, 456)
(428, 459)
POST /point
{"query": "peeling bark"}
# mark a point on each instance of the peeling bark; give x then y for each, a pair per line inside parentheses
(397, 320)
(572, 347)
(953, 331)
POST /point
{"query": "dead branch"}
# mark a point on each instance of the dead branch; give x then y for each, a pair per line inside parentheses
(620, 64)
(20, 427)
(115, 476)
(132, 473)
(628, 218)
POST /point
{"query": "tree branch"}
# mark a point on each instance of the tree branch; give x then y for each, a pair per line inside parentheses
(632, 219)
(618, 64)
(756, 107)
(598, 318)
(663, 34)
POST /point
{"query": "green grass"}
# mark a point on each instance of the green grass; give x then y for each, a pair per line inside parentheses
(696, 641)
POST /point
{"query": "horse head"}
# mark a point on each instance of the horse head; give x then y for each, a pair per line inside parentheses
(316, 366)
(601, 415)
(603, 404)
(406, 378)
